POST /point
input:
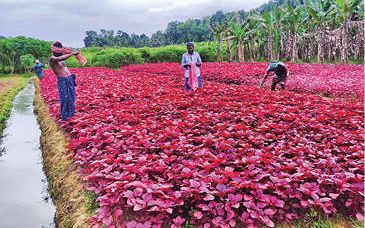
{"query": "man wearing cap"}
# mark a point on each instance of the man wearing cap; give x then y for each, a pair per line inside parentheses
(191, 62)
(280, 74)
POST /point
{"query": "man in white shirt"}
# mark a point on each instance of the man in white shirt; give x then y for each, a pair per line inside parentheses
(188, 58)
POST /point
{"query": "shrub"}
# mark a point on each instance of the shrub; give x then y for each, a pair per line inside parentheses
(27, 61)
(116, 57)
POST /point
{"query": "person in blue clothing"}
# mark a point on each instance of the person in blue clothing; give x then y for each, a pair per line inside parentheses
(38, 69)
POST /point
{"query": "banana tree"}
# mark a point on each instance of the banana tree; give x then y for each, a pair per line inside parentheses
(253, 36)
(343, 11)
(229, 40)
(218, 30)
(294, 21)
(238, 32)
(318, 19)
(266, 24)
(279, 33)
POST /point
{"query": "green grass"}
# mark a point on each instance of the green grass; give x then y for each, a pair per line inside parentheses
(315, 220)
(24, 75)
(188, 225)
(322, 222)
(91, 203)
(10, 85)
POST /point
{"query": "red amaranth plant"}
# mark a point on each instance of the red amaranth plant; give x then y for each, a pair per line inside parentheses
(226, 155)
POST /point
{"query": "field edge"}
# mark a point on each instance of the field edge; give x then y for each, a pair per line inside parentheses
(64, 183)
(15, 85)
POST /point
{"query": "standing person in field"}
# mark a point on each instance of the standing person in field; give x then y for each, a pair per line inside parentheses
(280, 74)
(191, 62)
(65, 80)
(38, 69)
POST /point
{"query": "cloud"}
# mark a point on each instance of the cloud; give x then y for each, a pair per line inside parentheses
(68, 20)
(173, 5)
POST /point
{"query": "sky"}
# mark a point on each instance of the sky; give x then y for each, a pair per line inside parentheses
(68, 20)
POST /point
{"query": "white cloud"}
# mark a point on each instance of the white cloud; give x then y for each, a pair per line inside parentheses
(180, 4)
(68, 20)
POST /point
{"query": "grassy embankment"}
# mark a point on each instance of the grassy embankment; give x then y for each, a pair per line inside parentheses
(10, 85)
(74, 205)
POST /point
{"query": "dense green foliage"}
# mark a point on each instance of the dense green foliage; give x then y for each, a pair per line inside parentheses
(291, 30)
(27, 61)
(18, 54)
(116, 57)
(176, 32)
(15, 53)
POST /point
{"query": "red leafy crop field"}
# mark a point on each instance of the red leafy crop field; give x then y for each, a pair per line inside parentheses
(331, 80)
(229, 154)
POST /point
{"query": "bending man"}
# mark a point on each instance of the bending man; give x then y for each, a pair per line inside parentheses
(280, 74)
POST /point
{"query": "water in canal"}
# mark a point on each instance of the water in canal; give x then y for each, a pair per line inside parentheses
(24, 199)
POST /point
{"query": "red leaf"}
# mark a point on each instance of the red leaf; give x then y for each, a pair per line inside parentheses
(198, 214)
(267, 221)
(208, 197)
(178, 220)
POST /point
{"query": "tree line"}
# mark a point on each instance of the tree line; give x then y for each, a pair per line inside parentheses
(322, 30)
(295, 30)
(177, 32)
(19, 53)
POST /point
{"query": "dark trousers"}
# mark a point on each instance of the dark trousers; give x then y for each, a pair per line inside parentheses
(66, 92)
(278, 80)
(200, 83)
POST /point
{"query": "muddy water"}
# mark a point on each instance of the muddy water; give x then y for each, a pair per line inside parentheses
(24, 200)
